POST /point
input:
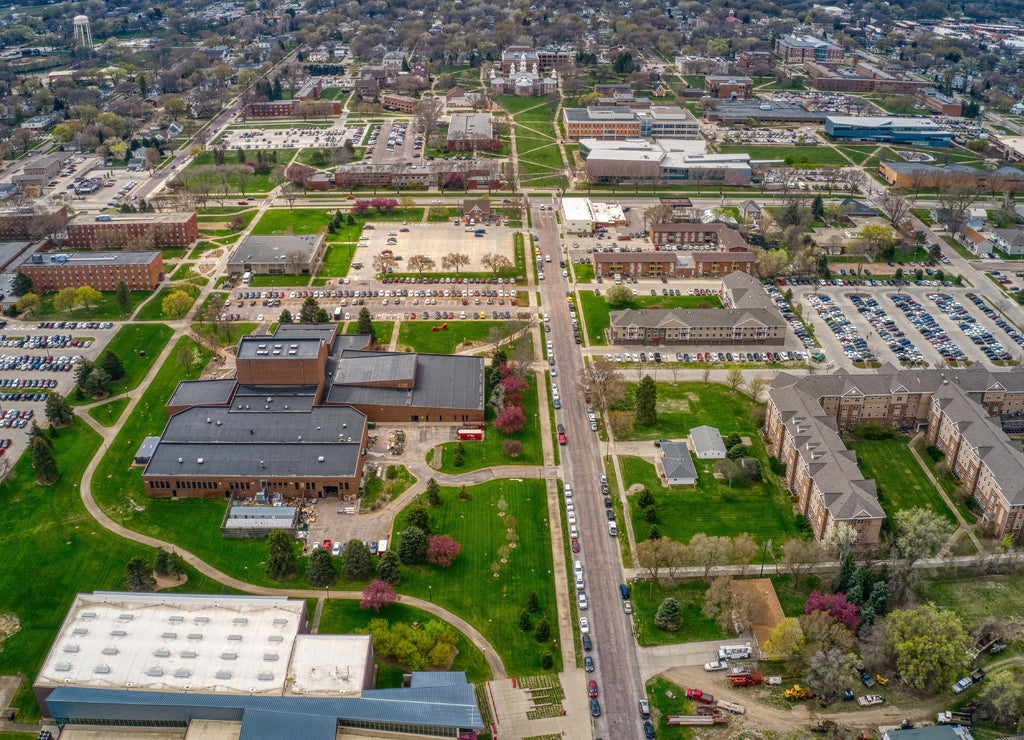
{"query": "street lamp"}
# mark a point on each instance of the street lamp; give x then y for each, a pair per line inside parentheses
(430, 593)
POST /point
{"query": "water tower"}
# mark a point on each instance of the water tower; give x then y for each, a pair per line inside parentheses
(83, 34)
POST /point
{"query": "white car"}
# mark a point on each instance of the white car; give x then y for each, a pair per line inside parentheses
(584, 626)
(581, 598)
(719, 665)
(260, 317)
(572, 517)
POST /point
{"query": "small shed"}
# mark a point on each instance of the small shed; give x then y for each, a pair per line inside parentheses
(677, 464)
(707, 443)
(258, 521)
(146, 450)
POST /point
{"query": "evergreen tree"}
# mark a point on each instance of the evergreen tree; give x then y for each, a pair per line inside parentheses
(412, 547)
(525, 623)
(124, 296)
(21, 283)
(388, 569)
(847, 567)
(646, 402)
(98, 383)
(307, 314)
(285, 317)
(654, 533)
(433, 493)
(112, 365)
(320, 571)
(419, 517)
(818, 208)
(365, 324)
(282, 562)
(543, 631)
(533, 603)
(138, 575)
(161, 562)
(175, 565)
(58, 410)
(669, 615)
(358, 561)
(43, 461)
(651, 514)
(645, 499)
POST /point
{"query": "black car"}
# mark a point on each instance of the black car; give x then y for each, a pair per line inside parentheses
(648, 729)
(561, 429)
(595, 707)
(587, 644)
(611, 515)
(607, 502)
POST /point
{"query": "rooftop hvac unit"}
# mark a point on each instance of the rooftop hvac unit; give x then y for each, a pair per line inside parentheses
(320, 458)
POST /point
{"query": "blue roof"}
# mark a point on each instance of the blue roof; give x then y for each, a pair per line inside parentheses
(441, 700)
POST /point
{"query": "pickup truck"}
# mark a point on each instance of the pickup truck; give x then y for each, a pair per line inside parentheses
(865, 678)
(954, 718)
(967, 681)
(870, 700)
(698, 695)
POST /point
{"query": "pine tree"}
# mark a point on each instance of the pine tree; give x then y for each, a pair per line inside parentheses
(282, 562)
(358, 561)
(161, 562)
(43, 461)
(654, 533)
(669, 615)
(58, 410)
(412, 547)
(818, 208)
(124, 297)
(112, 365)
(533, 603)
(543, 631)
(365, 324)
(646, 402)
(433, 493)
(388, 569)
(138, 575)
(525, 623)
(285, 317)
(320, 571)
(419, 517)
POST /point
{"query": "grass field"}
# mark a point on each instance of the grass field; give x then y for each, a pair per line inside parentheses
(902, 484)
(596, 310)
(647, 597)
(489, 452)
(637, 470)
(375, 486)
(420, 336)
(278, 221)
(668, 698)
(490, 582)
(812, 155)
(583, 273)
(337, 260)
(235, 331)
(107, 414)
(344, 617)
(128, 343)
(68, 553)
(978, 597)
(279, 281)
(382, 330)
(106, 310)
(154, 309)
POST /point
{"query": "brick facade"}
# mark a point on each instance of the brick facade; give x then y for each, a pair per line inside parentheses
(86, 231)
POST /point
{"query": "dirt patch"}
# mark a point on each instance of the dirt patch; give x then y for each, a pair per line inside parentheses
(674, 404)
(768, 610)
(168, 581)
(9, 626)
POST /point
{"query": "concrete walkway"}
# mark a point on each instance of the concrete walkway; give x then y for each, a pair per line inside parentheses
(964, 526)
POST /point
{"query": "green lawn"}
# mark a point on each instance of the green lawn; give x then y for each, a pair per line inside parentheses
(184, 270)
(106, 310)
(448, 214)
(129, 343)
(489, 451)
(647, 597)
(583, 273)
(154, 309)
(902, 484)
(375, 486)
(978, 597)
(479, 587)
(107, 414)
(337, 260)
(811, 155)
(279, 281)
(668, 698)
(420, 336)
(382, 330)
(637, 470)
(52, 550)
(343, 616)
(278, 221)
(596, 311)
(233, 331)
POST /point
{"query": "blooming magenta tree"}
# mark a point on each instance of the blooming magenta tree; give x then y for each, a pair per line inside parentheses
(384, 205)
(442, 550)
(378, 594)
(510, 420)
(513, 383)
(836, 606)
(360, 207)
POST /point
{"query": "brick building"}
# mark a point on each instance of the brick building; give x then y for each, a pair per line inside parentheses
(300, 254)
(621, 122)
(470, 132)
(917, 175)
(403, 103)
(294, 420)
(729, 86)
(964, 412)
(712, 263)
(473, 174)
(132, 230)
(696, 234)
(100, 270)
(755, 62)
(936, 102)
(28, 222)
(39, 171)
(801, 48)
(290, 109)
(546, 59)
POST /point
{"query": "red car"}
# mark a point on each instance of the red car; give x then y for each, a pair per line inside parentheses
(327, 544)
(575, 545)
(592, 689)
(561, 438)
(243, 202)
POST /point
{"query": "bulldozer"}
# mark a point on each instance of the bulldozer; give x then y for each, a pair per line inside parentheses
(798, 692)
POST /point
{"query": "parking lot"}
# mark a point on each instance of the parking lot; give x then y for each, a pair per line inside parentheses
(300, 136)
(434, 240)
(119, 182)
(392, 141)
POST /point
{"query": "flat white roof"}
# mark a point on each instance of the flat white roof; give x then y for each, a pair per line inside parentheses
(1014, 143)
(174, 642)
(577, 209)
(329, 665)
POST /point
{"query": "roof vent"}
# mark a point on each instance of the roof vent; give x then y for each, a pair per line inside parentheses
(101, 669)
(219, 422)
(270, 657)
(182, 673)
(280, 622)
(155, 672)
(320, 458)
(169, 635)
(62, 667)
(195, 636)
(275, 638)
(71, 648)
(162, 653)
(118, 633)
(240, 620)
(80, 631)
(222, 675)
(234, 638)
(180, 461)
(267, 676)
(126, 617)
(229, 656)
(176, 619)
(88, 615)
(208, 419)
(201, 620)
(199, 461)
(188, 654)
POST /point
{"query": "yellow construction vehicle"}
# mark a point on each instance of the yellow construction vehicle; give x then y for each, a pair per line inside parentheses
(881, 681)
(798, 692)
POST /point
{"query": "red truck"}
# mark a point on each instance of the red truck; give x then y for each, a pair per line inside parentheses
(698, 695)
(746, 678)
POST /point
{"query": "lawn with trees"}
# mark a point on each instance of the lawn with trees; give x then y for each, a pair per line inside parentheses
(596, 309)
(902, 483)
(137, 345)
(502, 527)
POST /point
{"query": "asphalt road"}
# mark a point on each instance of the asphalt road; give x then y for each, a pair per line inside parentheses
(617, 670)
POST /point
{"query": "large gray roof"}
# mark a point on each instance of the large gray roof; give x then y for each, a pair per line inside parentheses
(704, 317)
(219, 441)
(442, 381)
(359, 368)
(271, 248)
(677, 461)
(708, 439)
(202, 392)
(251, 348)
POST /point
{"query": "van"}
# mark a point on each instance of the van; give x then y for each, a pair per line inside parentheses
(568, 491)
(734, 652)
(624, 590)
(382, 547)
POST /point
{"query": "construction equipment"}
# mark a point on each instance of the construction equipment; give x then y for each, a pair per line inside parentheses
(798, 692)
(881, 681)
(746, 678)
(823, 725)
(674, 720)
(731, 706)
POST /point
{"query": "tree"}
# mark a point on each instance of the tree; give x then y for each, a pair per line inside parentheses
(919, 534)
(285, 317)
(421, 262)
(657, 554)
(43, 461)
(836, 606)
(512, 447)
(428, 112)
(602, 382)
(929, 646)
(543, 631)
(496, 262)
(707, 552)
(510, 420)
(412, 546)
(432, 494)
(1001, 699)
(358, 563)
(755, 387)
(669, 615)
(533, 603)
(419, 517)
(818, 208)
(27, 304)
(320, 570)
(365, 324)
(58, 410)
(955, 199)
(388, 567)
(454, 261)
(186, 357)
(124, 297)
(138, 575)
(161, 562)
(177, 303)
(646, 402)
(525, 623)
(442, 550)
(378, 594)
(645, 499)
(176, 108)
(98, 383)
(618, 296)
(65, 299)
(729, 608)
(112, 365)
(307, 314)
(734, 378)
(786, 642)
(798, 557)
(282, 562)
(21, 284)
(826, 673)
(875, 238)
(895, 206)
(87, 296)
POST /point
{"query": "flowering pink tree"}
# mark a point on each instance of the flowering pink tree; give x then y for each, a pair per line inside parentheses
(513, 383)
(442, 550)
(360, 207)
(510, 420)
(836, 606)
(384, 205)
(378, 594)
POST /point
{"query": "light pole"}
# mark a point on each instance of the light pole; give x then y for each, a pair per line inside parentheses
(430, 593)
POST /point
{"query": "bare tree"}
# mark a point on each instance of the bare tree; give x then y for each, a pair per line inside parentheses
(955, 201)
(428, 113)
(383, 263)
(496, 262)
(798, 557)
(421, 262)
(454, 260)
(602, 381)
(895, 206)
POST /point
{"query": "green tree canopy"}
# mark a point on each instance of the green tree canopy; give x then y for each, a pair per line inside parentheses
(929, 646)
(358, 563)
(320, 570)
(138, 575)
(646, 402)
(282, 562)
(412, 547)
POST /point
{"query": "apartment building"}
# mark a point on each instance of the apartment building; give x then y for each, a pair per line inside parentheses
(29, 222)
(729, 86)
(100, 270)
(132, 230)
(801, 48)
